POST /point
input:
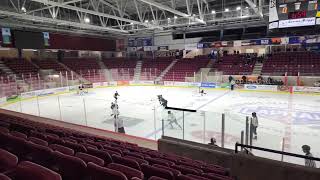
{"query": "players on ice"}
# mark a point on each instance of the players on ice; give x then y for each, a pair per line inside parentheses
(163, 102)
(202, 92)
(254, 124)
(81, 89)
(173, 120)
(116, 96)
(118, 122)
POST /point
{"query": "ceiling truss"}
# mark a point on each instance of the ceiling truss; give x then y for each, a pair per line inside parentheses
(124, 16)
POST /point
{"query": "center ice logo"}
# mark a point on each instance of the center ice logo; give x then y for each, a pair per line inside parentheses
(299, 117)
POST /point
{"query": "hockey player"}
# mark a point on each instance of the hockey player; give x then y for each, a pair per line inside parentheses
(232, 84)
(172, 119)
(115, 114)
(116, 96)
(81, 87)
(202, 92)
(254, 124)
(163, 102)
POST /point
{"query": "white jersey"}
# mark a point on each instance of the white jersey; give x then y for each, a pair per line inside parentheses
(254, 121)
(171, 117)
(119, 123)
(115, 111)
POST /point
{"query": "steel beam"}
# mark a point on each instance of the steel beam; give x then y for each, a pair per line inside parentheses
(48, 7)
(91, 12)
(255, 8)
(60, 22)
(166, 8)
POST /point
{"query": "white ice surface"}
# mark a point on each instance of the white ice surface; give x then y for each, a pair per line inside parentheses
(293, 117)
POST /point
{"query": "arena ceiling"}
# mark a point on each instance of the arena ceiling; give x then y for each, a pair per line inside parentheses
(131, 17)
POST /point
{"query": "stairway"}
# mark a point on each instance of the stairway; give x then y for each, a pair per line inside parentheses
(165, 71)
(6, 69)
(257, 69)
(137, 71)
(76, 75)
(107, 74)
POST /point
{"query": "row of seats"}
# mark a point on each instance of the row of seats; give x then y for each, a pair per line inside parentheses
(236, 64)
(292, 63)
(75, 155)
(185, 68)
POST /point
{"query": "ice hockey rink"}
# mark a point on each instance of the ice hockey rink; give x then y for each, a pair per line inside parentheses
(282, 116)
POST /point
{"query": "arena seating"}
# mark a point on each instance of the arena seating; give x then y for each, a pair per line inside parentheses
(185, 68)
(236, 64)
(21, 66)
(87, 68)
(47, 152)
(49, 64)
(121, 68)
(305, 63)
(151, 69)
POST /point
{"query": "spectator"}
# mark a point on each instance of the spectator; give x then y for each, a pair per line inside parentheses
(316, 84)
(260, 79)
(308, 162)
(244, 79)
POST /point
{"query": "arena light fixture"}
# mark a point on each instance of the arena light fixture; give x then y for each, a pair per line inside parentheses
(23, 9)
(226, 10)
(87, 20)
(175, 17)
(238, 8)
(213, 12)
(146, 21)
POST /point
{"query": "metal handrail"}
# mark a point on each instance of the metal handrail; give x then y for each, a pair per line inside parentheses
(274, 151)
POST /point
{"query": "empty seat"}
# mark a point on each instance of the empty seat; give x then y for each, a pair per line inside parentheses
(76, 147)
(90, 158)
(216, 176)
(62, 149)
(100, 154)
(7, 160)
(126, 162)
(16, 145)
(4, 177)
(18, 134)
(156, 178)
(128, 171)
(70, 167)
(158, 161)
(38, 141)
(187, 170)
(197, 177)
(4, 124)
(175, 172)
(149, 171)
(28, 170)
(4, 130)
(139, 161)
(39, 154)
(102, 173)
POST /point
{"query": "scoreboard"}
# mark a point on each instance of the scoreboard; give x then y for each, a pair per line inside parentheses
(293, 13)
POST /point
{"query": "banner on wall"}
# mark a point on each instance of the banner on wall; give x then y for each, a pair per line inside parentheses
(237, 43)
(261, 87)
(46, 38)
(208, 85)
(6, 36)
(306, 89)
